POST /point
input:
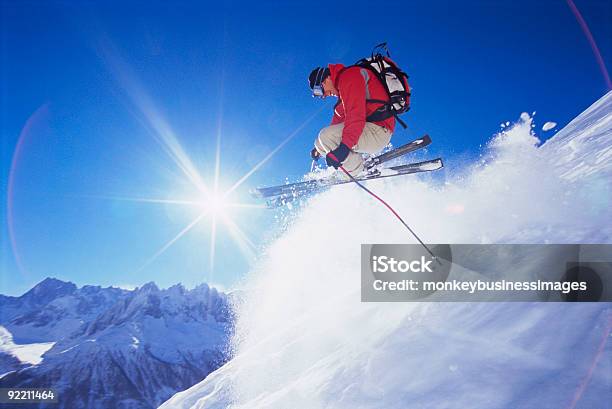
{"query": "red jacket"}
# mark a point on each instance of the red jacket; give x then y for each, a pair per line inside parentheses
(351, 107)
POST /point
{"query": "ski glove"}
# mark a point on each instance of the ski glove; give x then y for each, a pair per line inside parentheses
(314, 154)
(337, 156)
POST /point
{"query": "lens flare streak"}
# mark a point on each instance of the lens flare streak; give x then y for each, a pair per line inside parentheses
(587, 32)
(213, 203)
(274, 151)
(172, 241)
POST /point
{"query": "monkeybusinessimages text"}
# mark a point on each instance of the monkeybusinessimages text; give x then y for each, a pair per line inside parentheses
(383, 264)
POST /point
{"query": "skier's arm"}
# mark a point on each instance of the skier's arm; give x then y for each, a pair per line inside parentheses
(338, 116)
(352, 92)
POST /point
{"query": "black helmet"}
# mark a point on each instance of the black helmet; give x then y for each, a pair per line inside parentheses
(316, 78)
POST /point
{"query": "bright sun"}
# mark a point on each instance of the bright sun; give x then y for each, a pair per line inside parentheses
(212, 204)
(215, 203)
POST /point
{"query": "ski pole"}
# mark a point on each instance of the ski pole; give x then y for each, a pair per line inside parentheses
(388, 207)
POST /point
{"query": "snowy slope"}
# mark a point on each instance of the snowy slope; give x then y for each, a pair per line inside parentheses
(18, 356)
(28, 353)
(135, 352)
(304, 339)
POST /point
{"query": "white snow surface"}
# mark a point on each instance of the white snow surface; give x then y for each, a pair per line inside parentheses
(26, 353)
(304, 339)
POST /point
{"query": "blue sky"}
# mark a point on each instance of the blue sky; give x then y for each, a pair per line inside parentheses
(94, 96)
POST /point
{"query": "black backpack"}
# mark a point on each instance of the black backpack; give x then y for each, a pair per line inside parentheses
(393, 79)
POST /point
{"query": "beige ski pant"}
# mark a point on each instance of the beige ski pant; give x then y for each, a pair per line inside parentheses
(372, 140)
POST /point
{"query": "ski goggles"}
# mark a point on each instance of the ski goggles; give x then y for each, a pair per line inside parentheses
(318, 91)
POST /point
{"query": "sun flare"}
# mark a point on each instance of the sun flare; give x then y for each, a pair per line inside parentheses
(214, 204)
(211, 203)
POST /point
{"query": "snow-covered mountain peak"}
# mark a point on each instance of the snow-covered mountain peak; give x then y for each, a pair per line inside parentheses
(54, 309)
(177, 290)
(133, 348)
(48, 290)
(174, 303)
(149, 287)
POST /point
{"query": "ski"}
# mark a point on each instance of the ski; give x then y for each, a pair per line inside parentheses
(317, 185)
(397, 152)
(370, 164)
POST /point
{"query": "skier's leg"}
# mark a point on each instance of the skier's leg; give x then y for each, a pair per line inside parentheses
(353, 163)
(329, 139)
(372, 140)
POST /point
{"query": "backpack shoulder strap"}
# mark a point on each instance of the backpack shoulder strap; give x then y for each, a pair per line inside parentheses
(366, 77)
(365, 73)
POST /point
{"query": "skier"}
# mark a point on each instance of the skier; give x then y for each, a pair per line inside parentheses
(372, 94)
(352, 131)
